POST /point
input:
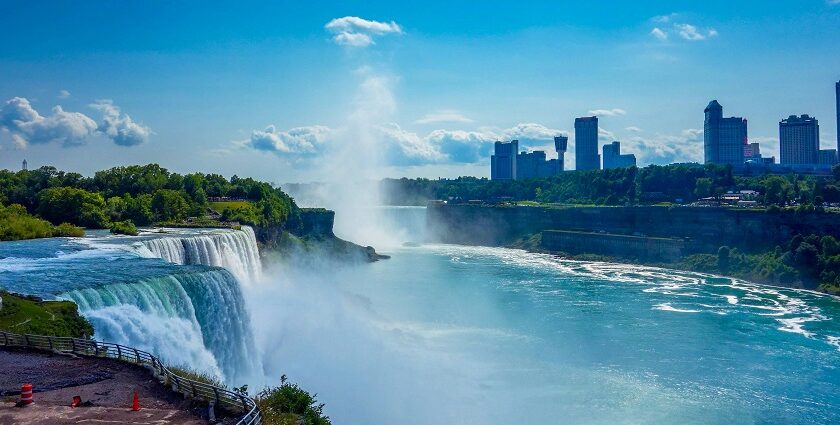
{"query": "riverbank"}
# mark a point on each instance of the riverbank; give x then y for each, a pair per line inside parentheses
(785, 248)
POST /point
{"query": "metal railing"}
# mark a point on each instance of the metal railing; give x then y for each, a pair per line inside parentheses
(223, 398)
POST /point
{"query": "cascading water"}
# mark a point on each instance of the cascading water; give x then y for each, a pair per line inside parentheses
(233, 250)
(196, 319)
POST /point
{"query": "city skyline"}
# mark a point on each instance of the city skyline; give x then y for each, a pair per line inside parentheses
(275, 98)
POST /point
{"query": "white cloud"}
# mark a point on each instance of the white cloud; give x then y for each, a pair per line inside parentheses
(658, 33)
(26, 125)
(357, 32)
(692, 33)
(664, 19)
(666, 149)
(607, 112)
(120, 127)
(443, 116)
(299, 141)
(633, 129)
(401, 147)
(63, 94)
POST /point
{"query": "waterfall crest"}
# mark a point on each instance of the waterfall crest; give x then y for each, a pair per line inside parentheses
(235, 251)
(196, 319)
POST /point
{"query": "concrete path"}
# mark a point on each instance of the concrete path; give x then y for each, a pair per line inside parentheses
(108, 384)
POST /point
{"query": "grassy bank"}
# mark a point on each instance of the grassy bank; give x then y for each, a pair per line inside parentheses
(30, 315)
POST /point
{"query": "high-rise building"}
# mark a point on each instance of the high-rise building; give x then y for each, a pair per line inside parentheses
(614, 159)
(509, 164)
(586, 144)
(561, 143)
(25, 166)
(723, 138)
(837, 111)
(827, 157)
(503, 162)
(799, 140)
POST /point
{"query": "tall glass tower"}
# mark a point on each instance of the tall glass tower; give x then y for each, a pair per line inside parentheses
(586, 144)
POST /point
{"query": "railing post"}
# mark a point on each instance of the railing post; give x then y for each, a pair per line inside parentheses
(216, 393)
(73, 345)
(192, 385)
(119, 352)
(49, 339)
(136, 356)
(5, 338)
(244, 403)
(26, 338)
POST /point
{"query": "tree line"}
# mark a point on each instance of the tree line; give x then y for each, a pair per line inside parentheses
(140, 195)
(624, 186)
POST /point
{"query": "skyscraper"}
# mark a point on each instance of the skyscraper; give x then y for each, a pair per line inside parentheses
(837, 111)
(586, 144)
(560, 145)
(723, 138)
(503, 163)
(799, 140)
(614, 159)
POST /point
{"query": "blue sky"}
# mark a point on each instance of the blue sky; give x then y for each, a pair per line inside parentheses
(285, 91)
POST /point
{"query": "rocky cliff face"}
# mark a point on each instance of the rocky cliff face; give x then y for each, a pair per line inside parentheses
(707, 228)
(313, 235)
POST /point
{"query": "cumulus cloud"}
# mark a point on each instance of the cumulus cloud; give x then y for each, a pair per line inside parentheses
(608, 112)
(299, 141)
(63, 94)
(401, 147)
(443, 116)
(357, 32)
(26, 125)
(658, 33)
(120, 127)
(666, 149)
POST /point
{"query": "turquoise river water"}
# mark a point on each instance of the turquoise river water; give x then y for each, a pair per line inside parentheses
(454, 334)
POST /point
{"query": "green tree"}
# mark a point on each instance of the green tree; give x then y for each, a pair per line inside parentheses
(169, 205)
(71, 205)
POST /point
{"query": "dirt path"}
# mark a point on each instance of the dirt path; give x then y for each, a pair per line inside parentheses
(108, 384)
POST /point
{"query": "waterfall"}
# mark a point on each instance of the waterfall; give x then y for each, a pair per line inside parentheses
(197, 319)
(233, 250)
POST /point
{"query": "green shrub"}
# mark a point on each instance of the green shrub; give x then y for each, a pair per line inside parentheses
(17, 224)
(124, 228)
(67, 230)
(192, 374)
(277, 403)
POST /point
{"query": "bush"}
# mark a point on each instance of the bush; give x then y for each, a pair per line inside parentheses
(124, 228)
(277, 403)
(67, 230)
(17, 224)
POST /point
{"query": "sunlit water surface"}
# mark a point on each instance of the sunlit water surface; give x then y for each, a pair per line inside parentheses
(471, 335)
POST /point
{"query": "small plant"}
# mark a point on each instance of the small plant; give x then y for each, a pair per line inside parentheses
(281, 405)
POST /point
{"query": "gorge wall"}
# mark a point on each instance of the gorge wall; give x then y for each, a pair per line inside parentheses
(706, 228)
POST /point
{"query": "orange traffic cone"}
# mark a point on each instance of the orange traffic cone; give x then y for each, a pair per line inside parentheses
(135, 405)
